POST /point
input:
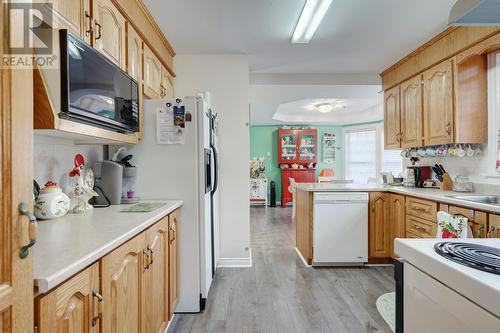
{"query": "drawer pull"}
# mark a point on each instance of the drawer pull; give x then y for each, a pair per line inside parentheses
(419, 209)
(100, 305)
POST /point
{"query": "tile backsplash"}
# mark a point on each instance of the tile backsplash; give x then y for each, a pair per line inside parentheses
(53, 158)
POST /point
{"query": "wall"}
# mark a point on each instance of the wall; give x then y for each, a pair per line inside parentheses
(53, 158)
(226, 77)
(264, 143)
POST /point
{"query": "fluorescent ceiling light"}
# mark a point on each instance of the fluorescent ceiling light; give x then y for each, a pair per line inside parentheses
(330, 106)
(309, 20)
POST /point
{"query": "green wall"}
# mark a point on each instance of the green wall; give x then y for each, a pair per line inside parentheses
(264, 143)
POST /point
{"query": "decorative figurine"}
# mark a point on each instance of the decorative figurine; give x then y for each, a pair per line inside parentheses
(80, 190)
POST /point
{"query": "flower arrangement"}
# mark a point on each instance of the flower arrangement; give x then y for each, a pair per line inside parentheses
(257, 168)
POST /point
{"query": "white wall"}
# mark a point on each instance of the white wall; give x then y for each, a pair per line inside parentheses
(53, 158)
(227, 79)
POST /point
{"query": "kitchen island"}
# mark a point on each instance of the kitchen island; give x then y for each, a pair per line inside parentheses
(393, 212)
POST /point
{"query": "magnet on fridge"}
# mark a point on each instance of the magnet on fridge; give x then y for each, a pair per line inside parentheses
(179, 116)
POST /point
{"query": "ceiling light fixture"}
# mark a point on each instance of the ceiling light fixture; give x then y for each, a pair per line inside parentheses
(330, 106)
(309, 20)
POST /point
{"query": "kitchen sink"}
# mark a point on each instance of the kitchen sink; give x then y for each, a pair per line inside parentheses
(484, 199)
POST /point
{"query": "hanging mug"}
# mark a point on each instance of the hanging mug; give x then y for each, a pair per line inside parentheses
(470, 151)
(430, 151)
(421, 152)
(460, 151)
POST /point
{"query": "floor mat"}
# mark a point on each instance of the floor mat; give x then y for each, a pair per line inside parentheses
(386, 306)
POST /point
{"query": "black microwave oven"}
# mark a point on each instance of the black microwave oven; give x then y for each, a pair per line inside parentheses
(94, 90)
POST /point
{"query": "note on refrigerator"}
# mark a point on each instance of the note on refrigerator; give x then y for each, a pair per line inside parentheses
(167, 132)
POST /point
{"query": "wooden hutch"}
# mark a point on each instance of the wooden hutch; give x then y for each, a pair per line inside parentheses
(297, 158)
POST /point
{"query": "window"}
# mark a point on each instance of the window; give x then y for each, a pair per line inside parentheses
(360, 154)
(364, 155)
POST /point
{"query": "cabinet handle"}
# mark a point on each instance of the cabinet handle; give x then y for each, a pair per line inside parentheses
(491, 230)
(419, 209)
(480, 228)
(162, 93)
(100, 306)
(32, 229)
(173, 233)
(87, 16)
(148, 259)
(99, 32)
(151, 252)
(448, 128)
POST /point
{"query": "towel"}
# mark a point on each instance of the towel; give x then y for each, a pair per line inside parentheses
(452, 226)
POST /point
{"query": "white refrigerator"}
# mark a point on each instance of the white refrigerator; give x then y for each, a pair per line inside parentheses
(187, 171)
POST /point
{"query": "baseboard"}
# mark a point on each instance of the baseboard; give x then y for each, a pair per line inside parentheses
(236, 262)
(171, 324)
(301, 257)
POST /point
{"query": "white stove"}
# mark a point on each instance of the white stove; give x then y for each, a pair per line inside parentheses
(441, 293)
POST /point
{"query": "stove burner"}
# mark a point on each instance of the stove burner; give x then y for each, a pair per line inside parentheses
(484, 258)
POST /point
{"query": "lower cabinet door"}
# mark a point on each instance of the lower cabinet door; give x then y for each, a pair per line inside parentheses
(155, 312)
(72, 307)
(173, 253)
(379, 227)
(121, 280)
(397, 218)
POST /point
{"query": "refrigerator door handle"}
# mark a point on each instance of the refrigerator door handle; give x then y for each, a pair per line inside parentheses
(216, 170)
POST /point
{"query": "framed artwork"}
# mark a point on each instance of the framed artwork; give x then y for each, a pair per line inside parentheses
(329, 147)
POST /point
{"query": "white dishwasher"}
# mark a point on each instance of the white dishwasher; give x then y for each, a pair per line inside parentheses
(340, 228)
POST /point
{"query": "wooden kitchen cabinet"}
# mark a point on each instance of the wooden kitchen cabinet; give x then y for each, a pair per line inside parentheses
(392, 120)
(379, 226)
(73, 307)
(74, 15)
(167, 87)
(109, 31)
(152, 74)
(155, 302)
(477, 220)
(397, 217)
(411, 113)
(121, 282)
(493, 226)
(173, 262)
(438, 104)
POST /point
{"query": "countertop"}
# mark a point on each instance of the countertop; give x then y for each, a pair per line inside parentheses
(423, 193)
(482, 288)
(67, 245)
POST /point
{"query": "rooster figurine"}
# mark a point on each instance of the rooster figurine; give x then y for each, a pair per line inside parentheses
(79, 192)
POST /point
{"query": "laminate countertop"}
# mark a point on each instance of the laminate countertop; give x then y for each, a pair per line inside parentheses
(423, 193)
(67, 245)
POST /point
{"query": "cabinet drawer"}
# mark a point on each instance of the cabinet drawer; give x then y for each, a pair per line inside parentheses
(421, 208)
(420, 227)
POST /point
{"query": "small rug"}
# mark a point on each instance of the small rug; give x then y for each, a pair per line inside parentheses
(386, 306)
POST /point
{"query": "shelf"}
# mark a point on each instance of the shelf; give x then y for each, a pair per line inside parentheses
(47, 122)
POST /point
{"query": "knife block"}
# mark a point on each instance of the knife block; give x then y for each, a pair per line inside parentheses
(447, 183)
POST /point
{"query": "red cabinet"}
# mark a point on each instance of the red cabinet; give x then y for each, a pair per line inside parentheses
(300, 176)
(297, 146)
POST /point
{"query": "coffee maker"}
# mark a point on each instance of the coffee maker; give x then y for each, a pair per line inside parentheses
(415, 176)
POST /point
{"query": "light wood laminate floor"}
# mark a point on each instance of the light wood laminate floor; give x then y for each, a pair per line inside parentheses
(280, 294)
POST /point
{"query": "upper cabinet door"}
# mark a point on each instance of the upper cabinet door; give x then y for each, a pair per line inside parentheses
(134, 54)
(74, 15)
(121, 279)
(109, 31)
(155, 301)
(438, 104)
(392, 122)
(152, 74)
(166, 84)
(73, 306)
(411, 113)
(16, 117)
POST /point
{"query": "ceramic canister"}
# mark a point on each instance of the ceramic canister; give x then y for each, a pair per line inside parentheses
(51, 202)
